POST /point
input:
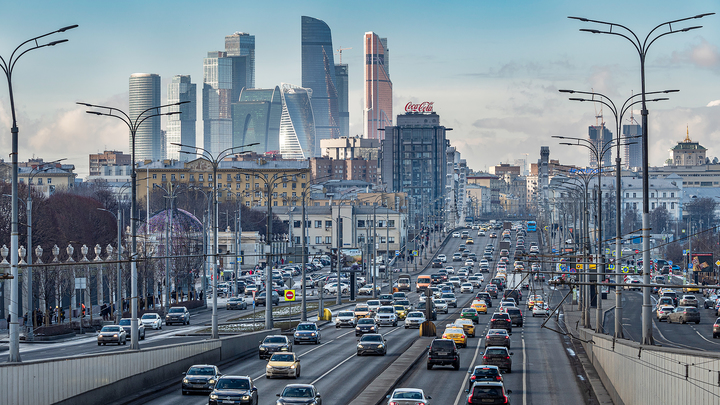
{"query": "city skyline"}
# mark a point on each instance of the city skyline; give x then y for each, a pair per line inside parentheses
(492, 73)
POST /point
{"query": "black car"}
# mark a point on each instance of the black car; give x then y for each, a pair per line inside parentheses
(484, 373)
(514, 294)
(236, 303)
(371, 343)
(501, 321)
(443, 352)
(306, 332)
(272, 344)
(366, 325)
(386, 299)
(295, 394)
(497, 337)
(433, 312)
(260, 298)
(499, 283)
(516, 317)
(498, 356)
(234, 390)
(436, 263)
(485, 296)
(488, 392)
(200, 378)
(126, 324)
(179, 315)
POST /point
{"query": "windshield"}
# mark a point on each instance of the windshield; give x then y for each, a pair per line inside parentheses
(274, 339)
(201, 371)
(415, 315)
(361, 307)
(497, 351)
(487, 392)
(124, 322)
(486, 372)
(407, 395)
(371, 338)
(282, 357)
(177, 310)
(297, 392)
(373, 303)
(366, 321)
(149, 316)
(110, 329)
(232, 384)
(386, 310)
(346, 313)
(307, 326)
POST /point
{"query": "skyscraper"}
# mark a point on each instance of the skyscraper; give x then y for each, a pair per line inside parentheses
(297, 126)
(240, 46)
(341, 75)
(181, 127)
(378, 87)
(318, 74)
(601, 138)
(217, 88)
(633, 149)
(256, 118)
(144, 94)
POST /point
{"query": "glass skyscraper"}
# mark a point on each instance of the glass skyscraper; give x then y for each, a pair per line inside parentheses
(341, 75)
(240, 46)
(633, 151)
(181, 127)
(378, 87)
(297, 125)
(217, 88)
(318, 74)
(256, 118)
(144, 94)
(601, 138)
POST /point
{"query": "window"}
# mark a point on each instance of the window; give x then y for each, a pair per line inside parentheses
(652, 195)
(172, 177)
(664, 195)
(294, 195)
(274, 203)
(201, 177)
(164, 177)
(328, 239)
(381, 224)
(237, 186)
(634, 195)
(391, 239)
(302, 185)
(49, 180)
(361, 239)
(284, 185)
(361, 223)
(328, 224)
(672, 205)
(653, 205)
(627, 195)
(247, 203)
(182, 177)
(229, 177)
(318, 224)
(382, 239)
(391, 223)
(297, 240)
(294, 186)
(302, 176)
(274, 195)
(318, 240)
(192, 177)
(257, 185)
(247, 186)
(154, 175)
(672, 195)
(219, 176)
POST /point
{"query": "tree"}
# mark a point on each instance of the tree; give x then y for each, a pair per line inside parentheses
(659, 219)
(702, 212)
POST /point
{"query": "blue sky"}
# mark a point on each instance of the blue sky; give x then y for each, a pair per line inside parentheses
(492, 68)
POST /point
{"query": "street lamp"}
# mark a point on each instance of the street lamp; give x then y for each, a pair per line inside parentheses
(203, 284)
(7, 67)
(133, 125)
(618, 113)
(642, 47)
(215, 162)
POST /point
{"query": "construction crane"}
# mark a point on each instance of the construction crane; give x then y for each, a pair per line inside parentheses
(339, 50)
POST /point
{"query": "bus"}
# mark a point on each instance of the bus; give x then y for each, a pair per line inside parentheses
(532, 226)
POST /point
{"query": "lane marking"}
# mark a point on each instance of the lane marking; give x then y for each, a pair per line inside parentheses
(524, 372)
(472, 366)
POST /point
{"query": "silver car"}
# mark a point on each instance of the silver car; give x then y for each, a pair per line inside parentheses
(441, 305)
(408, 396)
(112, 334)
(414, 319)
(345, 318)
(450, 298)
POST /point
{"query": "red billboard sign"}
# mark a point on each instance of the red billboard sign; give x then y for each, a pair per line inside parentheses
(424, 107)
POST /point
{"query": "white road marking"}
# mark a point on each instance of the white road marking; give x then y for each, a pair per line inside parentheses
(472, 365)
(524, 371)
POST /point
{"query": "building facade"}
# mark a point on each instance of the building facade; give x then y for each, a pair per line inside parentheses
(216, 102)
(327, 168)
(181, 127)
(318, 74)
(351, 148)
(298, 132)
(378, 87)
(145, 94)
(633, 149)
(601, 138)
(241, 47)
(107, 158)
(688, 153)
(256, 119)
(341, 75)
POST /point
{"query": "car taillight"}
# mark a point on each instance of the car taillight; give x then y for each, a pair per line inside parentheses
(507, 357)
(394, 403)
(470, 398)
(506, 399)
(472, 377)
(485, 357)
(498, 378)
(507, 337)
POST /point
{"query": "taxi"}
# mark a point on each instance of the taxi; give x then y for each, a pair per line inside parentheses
(467, 325)
(471, 314)
(401, 311)
(479, 306)
(691, 288)
(470, 241)
(456, 333)
(531, 300)
(361, 311)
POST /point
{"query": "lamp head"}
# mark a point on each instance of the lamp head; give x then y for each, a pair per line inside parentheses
(69, 27)
(53, 43)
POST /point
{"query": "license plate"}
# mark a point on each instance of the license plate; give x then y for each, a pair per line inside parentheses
(488, 400)
(228, 402)
(442, 353)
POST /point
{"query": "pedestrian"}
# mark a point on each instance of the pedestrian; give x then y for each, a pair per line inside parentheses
(62, 315)
(201, 295)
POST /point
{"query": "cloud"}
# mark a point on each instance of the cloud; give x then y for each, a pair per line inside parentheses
(713, 103)
(703, 55)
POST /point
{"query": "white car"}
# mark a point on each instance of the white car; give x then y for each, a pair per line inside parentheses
(481, 233)
(456, 234)
(450, 298)
(540, 310)
(386, 315)
(151, 320)
(345, 318)
(455, 281)
(414, 319)
(367, 289)
(466, 288)
(373, 305)
(408, 396)
(442, 258)
(441, 305)
(470, 263)
(333, 288)
(450, 269)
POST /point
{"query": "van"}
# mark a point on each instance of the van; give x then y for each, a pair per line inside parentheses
(422, 283)
(403, 283)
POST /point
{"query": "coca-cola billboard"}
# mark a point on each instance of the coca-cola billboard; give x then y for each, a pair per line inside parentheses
(424, 107)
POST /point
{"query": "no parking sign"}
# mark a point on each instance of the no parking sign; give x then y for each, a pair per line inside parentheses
(289, 295)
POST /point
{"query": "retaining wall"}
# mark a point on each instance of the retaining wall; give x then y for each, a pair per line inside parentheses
(636, 374)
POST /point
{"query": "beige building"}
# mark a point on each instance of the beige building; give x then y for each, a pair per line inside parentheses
(688, 153)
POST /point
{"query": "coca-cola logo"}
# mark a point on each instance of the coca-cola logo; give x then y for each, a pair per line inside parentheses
(424, 107)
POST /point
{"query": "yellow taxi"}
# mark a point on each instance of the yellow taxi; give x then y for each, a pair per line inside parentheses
(456, 333)
(283, 364)
(480, 306)
(691, 288)
(361, 311)
(531, 300)
(400, 311)
(470, 241)
(467, 325)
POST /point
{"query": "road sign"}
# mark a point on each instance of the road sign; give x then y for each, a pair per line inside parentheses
(607, 251)
(717, 263)
(397, 253)
(414, 252)
(685, 251)
(239, 260)
(637, 251)
(80, 283)
(625, 269)
(289, 295)
(670, 262)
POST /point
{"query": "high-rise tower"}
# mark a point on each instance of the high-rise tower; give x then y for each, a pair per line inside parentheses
(240, 46)
(144, 94)
(297, 129)
(633, 147)
(181, 127)
(217, 88)
(256, 119)
(601, 138)
(318, 74)
(341, 75)
(378, 87)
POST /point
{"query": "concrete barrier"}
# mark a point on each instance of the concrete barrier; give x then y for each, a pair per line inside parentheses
(650, 375)
(105, 378)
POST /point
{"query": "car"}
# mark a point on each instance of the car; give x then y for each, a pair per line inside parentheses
(689, 301)
(332, 288)
(286, 364)
(386, 299)
(405, 303)
(236, 303)
(467, 325)
(441, 305)
(470, 313)
(540, 309)
(306, 332)
(484, 373)
(498, 356)
(442, 258)
(272, 344)
(456, 234)
(456, 333)
(497, 337)
(433, 310)
(373, 305)
(455, 281)
(485, 296)
(501, 320)
(466, 288)
(516, 316)
(399, 295)
(457, 257)
(691, 288)
(481, 233)
(470, 241)
(476, 281)
(684, 315)
(299, 394)
(127, 325)
(450, 269)
(493, 235)
(200, 378)
(450, 298)
(234, 389)
(260, 299)
(372, 343)
(716, 329)
(488, 392)
(367, 289)
(366, 325)
(112, 334)
(408, 396)
(479, 306)
(386, 315)
(442, 352)
(361, 311)
(663, 311)
(436, 263)
(469, 263)
(345, 318)
(151, 319)
(414, 319)
(710, 301)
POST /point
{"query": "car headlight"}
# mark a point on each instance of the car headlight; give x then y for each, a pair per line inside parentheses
(360, 346)
(357, 327)
(268, 367)
(297, 334)
(115, 335)
(312, 334)
(380, 346)
(211, 381)
(213, 396)
(245, 397)
(185, 381)
(100, 336)
(293, 366)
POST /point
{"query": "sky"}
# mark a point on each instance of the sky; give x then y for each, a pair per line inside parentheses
(492, 68)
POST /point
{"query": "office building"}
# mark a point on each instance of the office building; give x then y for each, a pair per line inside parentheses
(181, 127)
(601, 138)
(241, 47)
(378, 87)
(256, 119)
(341, 75)
(633, 149)
(351, 148)
(145, 94)
(217, 87)
(297, 126)
(107, 158)
(318, 74)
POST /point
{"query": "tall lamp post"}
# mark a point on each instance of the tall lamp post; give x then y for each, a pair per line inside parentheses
(618, 113)
(133, 125)
(215, 162)
(7, 67)
(642, 47)
(203, 284)
(118, 296)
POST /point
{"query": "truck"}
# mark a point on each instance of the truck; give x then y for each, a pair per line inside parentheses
(504, 245)
(403, 283)
(507, 225)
